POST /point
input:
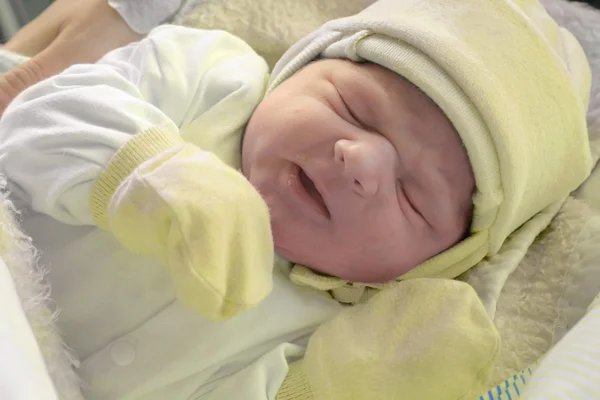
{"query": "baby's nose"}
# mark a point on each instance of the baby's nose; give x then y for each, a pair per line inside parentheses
(364, 163)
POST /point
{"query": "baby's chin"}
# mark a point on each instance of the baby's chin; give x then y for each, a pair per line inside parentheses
(329, 262)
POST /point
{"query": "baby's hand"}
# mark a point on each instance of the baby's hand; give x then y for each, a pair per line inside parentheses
(204, 221)
(425, 339)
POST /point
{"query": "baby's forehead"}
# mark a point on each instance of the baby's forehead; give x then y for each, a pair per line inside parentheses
(388, 103)
(371, 77)
(415, 119)
(389, 96)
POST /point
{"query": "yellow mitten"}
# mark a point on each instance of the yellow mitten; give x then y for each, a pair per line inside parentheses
(170, 200)
(422, 339)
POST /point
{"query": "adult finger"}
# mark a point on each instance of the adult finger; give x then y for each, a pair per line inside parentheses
(38, 34)
(49, 62)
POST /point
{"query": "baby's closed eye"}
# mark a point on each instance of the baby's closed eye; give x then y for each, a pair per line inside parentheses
(409, 203)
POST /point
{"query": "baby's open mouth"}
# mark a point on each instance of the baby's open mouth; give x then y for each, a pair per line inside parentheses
(313, 192)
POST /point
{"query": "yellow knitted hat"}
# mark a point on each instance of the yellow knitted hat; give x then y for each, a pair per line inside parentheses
(514, 84)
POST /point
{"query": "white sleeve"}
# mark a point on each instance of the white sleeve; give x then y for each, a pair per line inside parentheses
(57, 136)
(143, 15)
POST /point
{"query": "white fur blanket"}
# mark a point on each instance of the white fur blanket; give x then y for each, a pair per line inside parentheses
(25, 360)
(561, 269)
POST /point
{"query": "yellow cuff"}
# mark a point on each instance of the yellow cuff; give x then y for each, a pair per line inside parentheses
(195, 214)
(138, 149)
(295, 385)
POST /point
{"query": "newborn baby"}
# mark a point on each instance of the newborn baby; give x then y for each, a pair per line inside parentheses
(405, 142)
(370, 157)
(364, 175)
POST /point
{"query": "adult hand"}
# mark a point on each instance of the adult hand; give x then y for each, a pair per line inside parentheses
(68, 32)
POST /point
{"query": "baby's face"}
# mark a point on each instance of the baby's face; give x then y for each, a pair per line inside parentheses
(364, 175)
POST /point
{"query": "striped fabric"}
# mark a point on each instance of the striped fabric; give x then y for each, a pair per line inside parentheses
(571, 370)
(510, 389)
